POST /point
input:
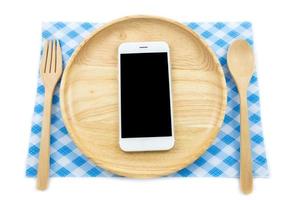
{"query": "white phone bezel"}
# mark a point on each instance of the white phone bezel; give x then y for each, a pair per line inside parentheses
(145, 143)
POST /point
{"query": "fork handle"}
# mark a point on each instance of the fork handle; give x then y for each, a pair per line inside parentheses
(246, 179)
(44, 155)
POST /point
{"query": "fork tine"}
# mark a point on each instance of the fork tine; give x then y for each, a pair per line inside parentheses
(52, 66)
(58, 65)
(49, 58)
(44, 57)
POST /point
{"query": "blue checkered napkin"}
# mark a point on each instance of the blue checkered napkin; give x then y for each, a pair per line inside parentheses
(220, 160)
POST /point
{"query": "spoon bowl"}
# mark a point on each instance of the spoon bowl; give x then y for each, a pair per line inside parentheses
(240, 60)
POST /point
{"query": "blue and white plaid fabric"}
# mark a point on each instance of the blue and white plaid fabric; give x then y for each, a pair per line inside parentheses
(220, 160)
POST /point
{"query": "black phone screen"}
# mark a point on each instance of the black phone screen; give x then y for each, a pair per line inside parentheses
(145, 95)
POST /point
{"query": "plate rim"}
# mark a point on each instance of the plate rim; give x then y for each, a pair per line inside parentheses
(214, 132)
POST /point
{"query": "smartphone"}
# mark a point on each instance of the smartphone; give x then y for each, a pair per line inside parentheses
(145, 97)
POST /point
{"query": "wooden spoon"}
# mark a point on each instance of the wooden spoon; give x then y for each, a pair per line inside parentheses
(240, 60)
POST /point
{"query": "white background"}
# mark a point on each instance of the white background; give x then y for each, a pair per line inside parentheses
(276, 35)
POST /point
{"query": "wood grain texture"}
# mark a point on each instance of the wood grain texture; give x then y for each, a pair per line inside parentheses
(89, 96)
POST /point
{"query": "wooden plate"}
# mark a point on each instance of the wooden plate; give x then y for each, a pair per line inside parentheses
(89, 96)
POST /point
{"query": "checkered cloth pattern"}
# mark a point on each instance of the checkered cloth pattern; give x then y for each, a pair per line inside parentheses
(222, 157)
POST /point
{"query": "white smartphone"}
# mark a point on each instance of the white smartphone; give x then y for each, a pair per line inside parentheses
(145, 99)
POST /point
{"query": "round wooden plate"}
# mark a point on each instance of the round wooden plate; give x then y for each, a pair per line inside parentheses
(89, 96)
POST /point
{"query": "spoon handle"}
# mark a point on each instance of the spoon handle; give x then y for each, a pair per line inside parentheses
(246, 179)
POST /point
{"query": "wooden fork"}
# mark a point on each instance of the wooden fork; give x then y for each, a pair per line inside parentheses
(50, 71)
